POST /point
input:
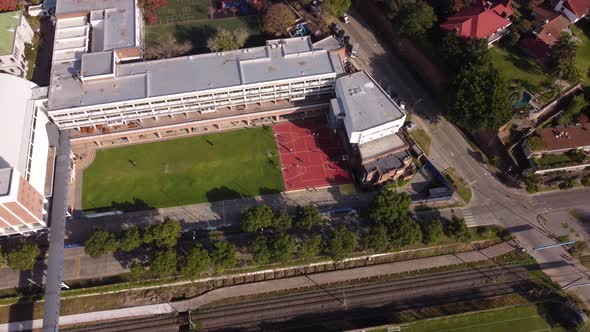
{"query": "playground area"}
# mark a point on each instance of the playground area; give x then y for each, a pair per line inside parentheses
(178, 11)
(311, 155)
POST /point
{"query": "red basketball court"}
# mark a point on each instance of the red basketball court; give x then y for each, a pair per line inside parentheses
(311, 154)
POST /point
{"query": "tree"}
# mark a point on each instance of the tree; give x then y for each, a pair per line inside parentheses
(311, 247)
(7, 5)
(562, 55)
(535, 142)
(100, 242)
(567, 184)
(307, 217)
(336, 8)
(166, 46)
(341, 243)
(136, 270)
(282, 221)
(457, 229)
(259, 250)
(23, 257)
(195, 262)
(389, 206)
(163, 263)
(586, 181)
(405, 232)
(378, 238)
(257, 218)
(149, 8)
(479, 98)
(277, 19)
(225, 40)
(433, 232)
(394, 7)
(416, 19)
(454, 6)
(574, 108)
(224, 256)
(130, 239)
(162, 235)
(283, 247)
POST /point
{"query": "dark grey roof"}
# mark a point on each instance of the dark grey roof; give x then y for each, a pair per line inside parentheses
(385, 164)
(365, 102)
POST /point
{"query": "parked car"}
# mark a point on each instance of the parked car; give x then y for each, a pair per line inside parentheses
(345, 18)
(354, 50)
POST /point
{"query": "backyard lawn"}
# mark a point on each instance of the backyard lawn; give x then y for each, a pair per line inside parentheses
(241, 163)
(197, 32)
(521, 319)
(519, 67)
(582, 31)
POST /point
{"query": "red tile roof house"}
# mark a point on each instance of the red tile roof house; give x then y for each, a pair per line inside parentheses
(548, 27)
(481, 20)
(574, 10)
(560, 141)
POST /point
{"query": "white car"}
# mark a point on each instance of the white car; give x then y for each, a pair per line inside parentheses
(410, 126)
(345, 18)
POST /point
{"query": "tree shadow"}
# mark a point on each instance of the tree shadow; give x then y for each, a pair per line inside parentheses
(196, 35)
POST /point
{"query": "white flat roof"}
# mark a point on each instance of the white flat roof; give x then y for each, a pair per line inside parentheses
(365, 102)
(279, 60)
(15, 120)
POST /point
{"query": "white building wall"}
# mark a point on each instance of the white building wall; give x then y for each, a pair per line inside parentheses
(37, 168)
(15, 63)
(382, 130)
(202, 101)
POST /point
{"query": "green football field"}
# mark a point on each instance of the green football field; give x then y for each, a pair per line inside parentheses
(513, 319)
(228, 165)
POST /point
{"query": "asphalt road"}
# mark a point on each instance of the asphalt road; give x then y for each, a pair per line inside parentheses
(493, 202)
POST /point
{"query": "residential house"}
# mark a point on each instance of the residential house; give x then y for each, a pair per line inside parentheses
(548, 27)
(481, 20)
(574, 10)
(559, 149)
(15, 32)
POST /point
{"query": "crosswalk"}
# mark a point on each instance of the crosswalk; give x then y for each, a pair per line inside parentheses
(468, 216)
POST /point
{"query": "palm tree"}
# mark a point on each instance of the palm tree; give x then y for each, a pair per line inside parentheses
(561, 58)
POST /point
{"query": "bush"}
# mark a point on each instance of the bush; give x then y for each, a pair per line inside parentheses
(100, 242)
(307, 217)
(433, 232)
(163, 263)
(311, 247)
(224, 256)
(458, 230)
(195, 262)
(586, 181)
(163, 235)
(342, 242)
(130, 239)
(567, 184)
(259, 250)
(23, 257)
(283, 247)
(257, 218)
(378, 239)
(225, 40)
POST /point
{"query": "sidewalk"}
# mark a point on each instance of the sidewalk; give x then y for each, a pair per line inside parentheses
(274, 285)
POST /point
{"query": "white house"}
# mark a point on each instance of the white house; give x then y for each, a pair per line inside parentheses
(15, 32)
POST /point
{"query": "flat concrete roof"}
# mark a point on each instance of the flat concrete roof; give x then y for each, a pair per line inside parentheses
(96, 64)
(9, 22)
(365, 102)
(279, 60)
(381, 146)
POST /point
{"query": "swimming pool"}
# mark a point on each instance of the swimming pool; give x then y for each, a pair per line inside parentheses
(521, 102)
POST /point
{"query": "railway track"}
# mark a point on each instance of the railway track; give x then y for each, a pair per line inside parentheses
(407, 293)
(165, 323)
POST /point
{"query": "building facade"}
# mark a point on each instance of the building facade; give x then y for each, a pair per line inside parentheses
(27, 156)
(15, 33)
(574, 10)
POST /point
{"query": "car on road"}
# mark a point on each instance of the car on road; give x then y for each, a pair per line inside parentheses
(345, 18)
(410, 126)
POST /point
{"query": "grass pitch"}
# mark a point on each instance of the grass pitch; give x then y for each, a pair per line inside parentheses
(241, 163)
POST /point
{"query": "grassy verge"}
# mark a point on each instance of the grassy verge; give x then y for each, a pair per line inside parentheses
(241, 163)
(422, 139)
(462, 187)
(582, 31)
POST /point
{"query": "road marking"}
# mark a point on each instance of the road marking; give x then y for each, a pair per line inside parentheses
(468, 216)
(77, 267)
